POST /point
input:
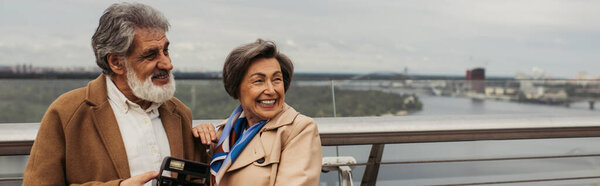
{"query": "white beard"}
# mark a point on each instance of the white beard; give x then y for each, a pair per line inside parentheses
(147, 90)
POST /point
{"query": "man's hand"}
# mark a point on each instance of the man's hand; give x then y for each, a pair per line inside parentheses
(140, 179)
(206, 133)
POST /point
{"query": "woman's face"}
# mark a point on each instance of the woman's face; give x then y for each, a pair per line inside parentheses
(262, 91)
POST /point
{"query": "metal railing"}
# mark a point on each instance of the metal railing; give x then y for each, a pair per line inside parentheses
(16, 139)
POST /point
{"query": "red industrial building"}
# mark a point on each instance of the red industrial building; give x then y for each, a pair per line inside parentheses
(476, 77)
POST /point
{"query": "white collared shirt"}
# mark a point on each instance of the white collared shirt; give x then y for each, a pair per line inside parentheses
(143, 134)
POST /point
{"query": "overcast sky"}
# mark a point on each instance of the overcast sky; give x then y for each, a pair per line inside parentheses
(561, 37)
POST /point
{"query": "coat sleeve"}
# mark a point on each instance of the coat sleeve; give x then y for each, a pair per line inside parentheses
(46, 164)
(301, 158)
(200, 151)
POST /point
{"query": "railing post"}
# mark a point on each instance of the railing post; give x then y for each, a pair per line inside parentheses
(346, 172)
(372, 170)
(341, 164)
(333, 98)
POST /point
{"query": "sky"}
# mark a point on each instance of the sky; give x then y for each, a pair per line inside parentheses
(438, 37)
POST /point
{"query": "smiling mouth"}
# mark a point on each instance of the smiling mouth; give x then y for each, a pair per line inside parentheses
(161, 75)
(267, 102)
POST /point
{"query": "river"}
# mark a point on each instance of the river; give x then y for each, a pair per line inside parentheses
(461, 172)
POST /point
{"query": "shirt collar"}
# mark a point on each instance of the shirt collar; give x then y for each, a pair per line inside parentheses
(122, 102)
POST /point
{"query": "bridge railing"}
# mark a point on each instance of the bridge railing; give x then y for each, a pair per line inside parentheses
(16, 139)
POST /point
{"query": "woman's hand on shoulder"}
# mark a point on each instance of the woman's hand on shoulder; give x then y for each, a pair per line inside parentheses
(206, 133)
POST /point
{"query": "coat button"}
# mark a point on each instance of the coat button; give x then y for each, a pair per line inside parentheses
(260, 161)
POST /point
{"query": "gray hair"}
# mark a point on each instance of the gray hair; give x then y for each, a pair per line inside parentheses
(117, 26)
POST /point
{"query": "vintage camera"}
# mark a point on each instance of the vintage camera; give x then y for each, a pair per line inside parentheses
(188, 173)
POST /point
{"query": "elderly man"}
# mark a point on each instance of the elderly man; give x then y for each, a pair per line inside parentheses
(118, 129)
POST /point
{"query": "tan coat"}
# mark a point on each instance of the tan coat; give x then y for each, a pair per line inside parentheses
(79, 141)
(286, 151)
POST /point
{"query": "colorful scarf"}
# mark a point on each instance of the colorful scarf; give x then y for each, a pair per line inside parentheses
(232, 142)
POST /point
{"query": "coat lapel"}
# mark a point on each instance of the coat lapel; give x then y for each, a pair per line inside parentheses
(172, 124)
(285, 117)
(253, 151)
(107, 126)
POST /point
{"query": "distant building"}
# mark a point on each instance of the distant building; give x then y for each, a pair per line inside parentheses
(476, 74)
(5, 69)
(476, 77)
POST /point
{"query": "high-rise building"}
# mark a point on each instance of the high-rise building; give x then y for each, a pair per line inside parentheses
(476, 77)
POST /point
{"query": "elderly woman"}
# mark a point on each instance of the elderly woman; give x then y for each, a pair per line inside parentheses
(264, 141)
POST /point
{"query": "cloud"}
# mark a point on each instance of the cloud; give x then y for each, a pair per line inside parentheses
(332, 35)
(184, 46)
(290, 43)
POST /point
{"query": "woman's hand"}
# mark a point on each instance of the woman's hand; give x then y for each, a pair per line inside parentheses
(206, 133)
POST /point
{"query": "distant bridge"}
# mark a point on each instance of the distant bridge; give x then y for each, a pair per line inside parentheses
(591, 101)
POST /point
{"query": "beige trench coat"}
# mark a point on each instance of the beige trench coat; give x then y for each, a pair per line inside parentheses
(286, 151)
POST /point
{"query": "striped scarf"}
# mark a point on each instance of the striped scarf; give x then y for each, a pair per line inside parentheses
(232, 142)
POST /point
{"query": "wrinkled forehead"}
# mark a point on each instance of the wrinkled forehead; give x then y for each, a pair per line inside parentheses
(146, 39)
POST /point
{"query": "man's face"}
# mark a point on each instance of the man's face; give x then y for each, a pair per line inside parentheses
(149, 67)
(150, 56)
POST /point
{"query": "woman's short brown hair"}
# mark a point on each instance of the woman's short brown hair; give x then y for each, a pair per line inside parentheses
(240, 58)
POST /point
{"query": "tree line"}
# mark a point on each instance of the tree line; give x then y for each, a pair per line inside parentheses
(26, 100)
